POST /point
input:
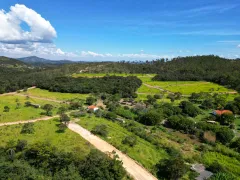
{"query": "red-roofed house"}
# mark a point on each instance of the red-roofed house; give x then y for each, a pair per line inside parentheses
(92, 108)
(221, 112)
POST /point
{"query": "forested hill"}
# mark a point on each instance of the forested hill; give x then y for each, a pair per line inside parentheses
(9, 62)
(209, 68)
(37, 61)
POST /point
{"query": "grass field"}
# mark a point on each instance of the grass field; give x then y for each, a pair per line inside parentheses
(143, 152)
(185, 87)
(23, 113)
(54, 95)
(229, 163)
(188, 87)
(45, 131)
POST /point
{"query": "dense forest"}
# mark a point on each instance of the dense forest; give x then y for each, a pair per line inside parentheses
(43, 161)
(208, 68)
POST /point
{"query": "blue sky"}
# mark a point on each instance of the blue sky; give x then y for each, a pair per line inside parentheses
(122, 29)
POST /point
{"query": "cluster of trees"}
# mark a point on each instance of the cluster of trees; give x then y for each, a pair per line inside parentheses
(125, 86)
(198, 68)
(43, 161)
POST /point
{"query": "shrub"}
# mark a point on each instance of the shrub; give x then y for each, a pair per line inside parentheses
(90, 100)
(151, 118)
(28, 128)
(171, 169)
(189, 109)
(130, 140)
(100, 130)
(21, 145)
(224, 135)
(111, 116)
(6, 109)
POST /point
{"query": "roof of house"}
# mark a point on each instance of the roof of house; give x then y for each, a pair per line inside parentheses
(92, 107)
(220, 112)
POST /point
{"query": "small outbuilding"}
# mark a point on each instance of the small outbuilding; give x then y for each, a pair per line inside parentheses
(92, 108)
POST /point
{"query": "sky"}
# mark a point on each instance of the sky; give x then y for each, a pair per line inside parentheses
(103, 30)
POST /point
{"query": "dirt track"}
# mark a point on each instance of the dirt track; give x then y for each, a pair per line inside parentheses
(28, 121)
(135, 170)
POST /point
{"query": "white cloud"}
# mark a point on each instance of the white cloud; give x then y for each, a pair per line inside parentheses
(10, 26)
(93, 54)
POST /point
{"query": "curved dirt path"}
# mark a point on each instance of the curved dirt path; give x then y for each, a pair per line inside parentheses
(134, 169)
(28, 121)
(156, 87)
(12, 93)
(41, 98)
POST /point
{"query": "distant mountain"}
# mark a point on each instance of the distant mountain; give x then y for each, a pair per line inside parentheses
(37, 61)
(10, 62)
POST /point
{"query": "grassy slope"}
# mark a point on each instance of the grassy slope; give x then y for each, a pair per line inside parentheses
(188, 87)
(144, 152)
(24, 113)
(230, 163)
(46, 131)
(54, 95)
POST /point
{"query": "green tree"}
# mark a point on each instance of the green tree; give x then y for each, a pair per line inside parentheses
(100, 129)
(151, 118)
(90, 100)
(28, 128)
(130, 140)
(6, 109)
(111, 116)
(224, 135)
(172, 169)
(64, 118)
(48, 108)
(236, 144)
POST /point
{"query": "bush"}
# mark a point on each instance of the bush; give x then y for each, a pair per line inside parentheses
(224, 135)
(130, 140)
(151, 118)
(111, 116)
(236, 145)
(28, 128)
(171, 169)
(100, 130)
(6, 109)
(189, 109)
(78, 114)
(21, 145)
(90, 100)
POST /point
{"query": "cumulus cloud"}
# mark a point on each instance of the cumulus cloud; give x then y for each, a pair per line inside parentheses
(93, 54)
(10, 26)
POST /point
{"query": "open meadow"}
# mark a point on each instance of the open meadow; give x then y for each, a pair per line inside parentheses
(46, 131)
(54, 95)
(18, 111)
(188, 87)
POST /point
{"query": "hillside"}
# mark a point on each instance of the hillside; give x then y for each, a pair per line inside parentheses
(37, 61)
(10, 62)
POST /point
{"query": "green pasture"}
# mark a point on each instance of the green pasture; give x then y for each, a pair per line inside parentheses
(143, 152)
(231, 164)
(46, 131)
(143, 77)
(54, 95)
(188, 87)
(22, 113)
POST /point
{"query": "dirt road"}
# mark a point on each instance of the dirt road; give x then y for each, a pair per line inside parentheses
(28, 121)
(11, 93)
(42, 98)
(135, 170)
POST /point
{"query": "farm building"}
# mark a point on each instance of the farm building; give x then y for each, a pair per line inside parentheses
(92, 108)
(221, 112)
